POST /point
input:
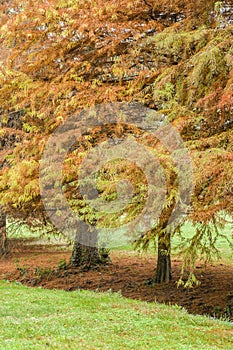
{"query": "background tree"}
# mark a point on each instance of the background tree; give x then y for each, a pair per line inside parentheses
(3, 240)
(11, 133)
(63, 57)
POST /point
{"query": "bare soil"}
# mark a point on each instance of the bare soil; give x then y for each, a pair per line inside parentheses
(128, 272)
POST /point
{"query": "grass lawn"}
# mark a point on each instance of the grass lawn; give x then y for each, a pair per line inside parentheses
(188, 231)
(224, 249)
(34, 318)
(17, 231)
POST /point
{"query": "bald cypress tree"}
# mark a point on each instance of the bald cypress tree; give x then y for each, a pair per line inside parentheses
(173, 57)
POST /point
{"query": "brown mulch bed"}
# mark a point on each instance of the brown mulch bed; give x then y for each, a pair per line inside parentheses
(129, 273)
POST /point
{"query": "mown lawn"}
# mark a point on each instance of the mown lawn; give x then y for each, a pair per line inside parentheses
(34, 318)
(226, 252)
(224, 249)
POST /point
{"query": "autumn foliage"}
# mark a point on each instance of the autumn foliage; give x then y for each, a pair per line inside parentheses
(59, 57)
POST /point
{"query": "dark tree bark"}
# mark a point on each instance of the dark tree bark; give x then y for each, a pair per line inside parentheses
(164, 269)
(3, 237)
(84, 256)
(86, 253)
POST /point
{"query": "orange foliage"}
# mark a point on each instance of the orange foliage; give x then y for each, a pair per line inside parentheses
(59, 57)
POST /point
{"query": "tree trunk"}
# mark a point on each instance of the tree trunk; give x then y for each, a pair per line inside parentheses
(84, 256)
(163, 269)
(3, 237)
(87, 255)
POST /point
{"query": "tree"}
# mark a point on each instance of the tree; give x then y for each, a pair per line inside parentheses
(3, 240)
(78, 55)
(10, 135)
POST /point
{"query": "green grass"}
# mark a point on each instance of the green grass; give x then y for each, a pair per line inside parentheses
(17, 231)
(22, 231)
(226, 252)
(222, 245)
(33, 318)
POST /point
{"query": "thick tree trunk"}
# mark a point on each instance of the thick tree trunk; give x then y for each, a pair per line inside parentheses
(3, 237)
(164, 270)
(86, 256)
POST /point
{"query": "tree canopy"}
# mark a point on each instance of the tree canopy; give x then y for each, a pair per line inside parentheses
(175, 57)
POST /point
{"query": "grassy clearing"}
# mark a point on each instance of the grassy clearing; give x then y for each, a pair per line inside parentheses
(33, 318)
(225, 251)
(188, 231)
(17, 231)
